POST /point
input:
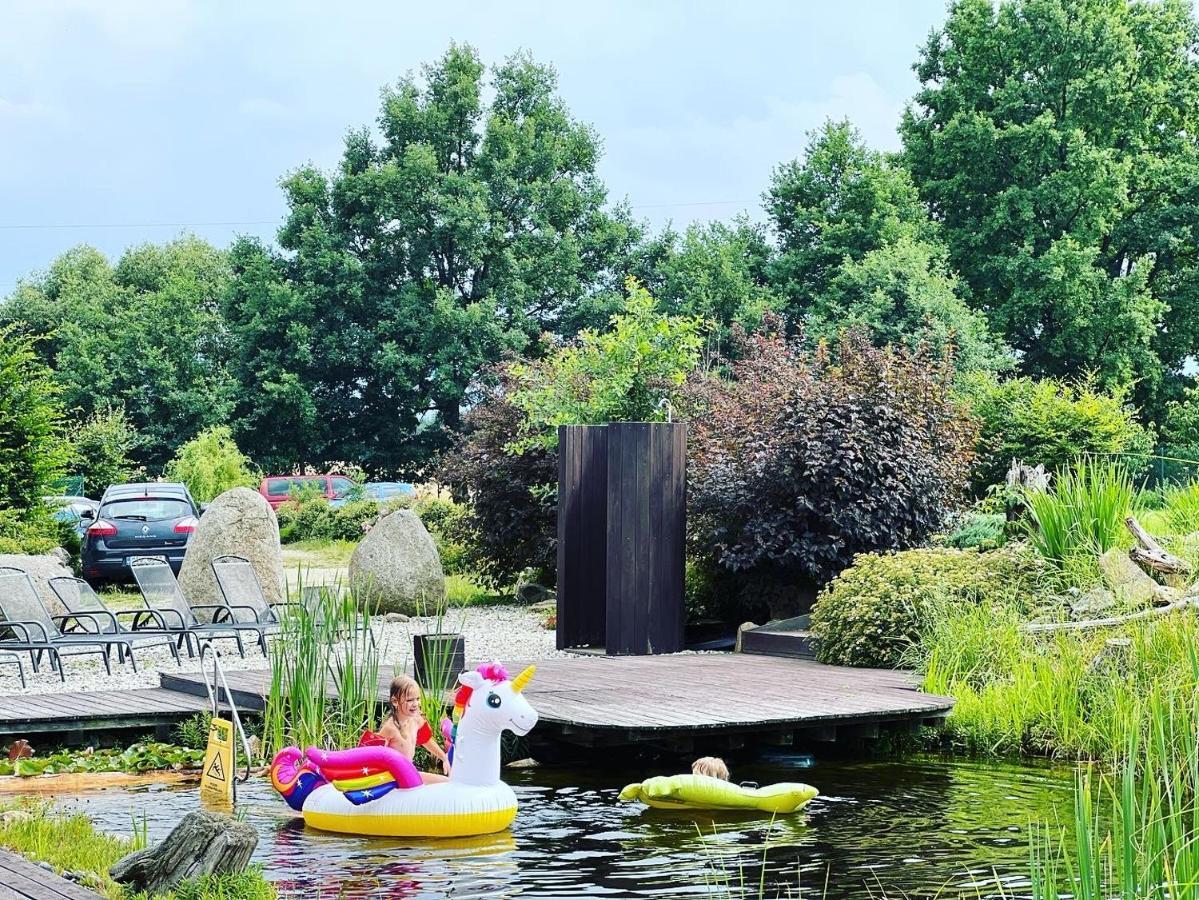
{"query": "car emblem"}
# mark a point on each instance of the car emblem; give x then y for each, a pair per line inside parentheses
(145, 529)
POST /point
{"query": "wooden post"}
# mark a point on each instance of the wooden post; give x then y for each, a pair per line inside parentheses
(582, 535)
(647, 517)
(203, 843)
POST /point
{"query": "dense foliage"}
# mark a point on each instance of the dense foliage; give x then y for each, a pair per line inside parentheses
(315, 519)
(1050, 422)
(798, 463)
(103, 446)
(33, 447)
(874, 611)
(210, 464)
(511, 523)
(619, 375)
(858, 250)
(460, 230)
(1057, 141)
(146, 335)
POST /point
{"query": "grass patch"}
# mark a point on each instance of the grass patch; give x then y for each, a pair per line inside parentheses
(69, 843)
(461, 590)
(1082, 514)
(318, 554)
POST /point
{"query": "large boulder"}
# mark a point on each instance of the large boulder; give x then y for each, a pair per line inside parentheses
(240, 522)
(41, 569)
(1126, 579)
(396, 567)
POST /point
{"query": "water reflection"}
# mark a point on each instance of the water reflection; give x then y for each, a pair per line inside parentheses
(915, 827)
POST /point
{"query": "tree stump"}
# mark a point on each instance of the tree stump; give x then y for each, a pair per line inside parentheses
(202, 843)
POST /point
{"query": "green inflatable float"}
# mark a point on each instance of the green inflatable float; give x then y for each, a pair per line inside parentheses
(706, 792)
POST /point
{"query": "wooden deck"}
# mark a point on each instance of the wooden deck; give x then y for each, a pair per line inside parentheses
(673, 700)
(21, 878)
(25, 714)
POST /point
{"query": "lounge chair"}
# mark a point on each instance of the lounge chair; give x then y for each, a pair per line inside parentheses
(29, 626)
(146, 626)
(12, 659)
(247, 603)
(161, 593)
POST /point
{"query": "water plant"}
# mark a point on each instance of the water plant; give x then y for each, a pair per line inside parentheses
(1082, 514)
(324, 673)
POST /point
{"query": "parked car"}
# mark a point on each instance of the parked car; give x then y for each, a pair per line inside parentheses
(71, 509)
(150, 519)
(384, 491)
(277, 488)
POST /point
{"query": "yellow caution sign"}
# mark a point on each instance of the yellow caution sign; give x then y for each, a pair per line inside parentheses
(216, 778)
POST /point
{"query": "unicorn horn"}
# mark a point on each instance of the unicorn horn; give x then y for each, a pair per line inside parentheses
(519, 682)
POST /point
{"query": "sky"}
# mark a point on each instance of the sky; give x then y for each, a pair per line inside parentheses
(127, 121)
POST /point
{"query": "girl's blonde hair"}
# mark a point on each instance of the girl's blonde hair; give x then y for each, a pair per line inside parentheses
(712, 766)
(401, 685)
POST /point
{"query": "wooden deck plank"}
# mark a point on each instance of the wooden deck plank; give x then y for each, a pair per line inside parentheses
(21, 878)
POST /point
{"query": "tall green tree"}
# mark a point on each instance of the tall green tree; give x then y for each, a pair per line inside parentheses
(146, 335)
(856, 248)
(458, 231)
(1056, 142)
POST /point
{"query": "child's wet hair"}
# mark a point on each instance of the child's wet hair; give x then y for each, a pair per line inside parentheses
(712, 766)
(401, 685)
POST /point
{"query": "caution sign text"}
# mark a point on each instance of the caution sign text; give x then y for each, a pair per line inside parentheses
(216, 778)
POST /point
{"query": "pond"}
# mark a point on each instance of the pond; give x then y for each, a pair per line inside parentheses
(917, 827)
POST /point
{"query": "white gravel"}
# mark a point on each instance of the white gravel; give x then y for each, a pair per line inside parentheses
(501, 633)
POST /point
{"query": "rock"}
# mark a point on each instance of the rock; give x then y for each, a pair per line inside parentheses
(41, 569)
(1092, 604)
(1128, 580)
(741, 629)
(396, 567)
(1112, 657)
(202, 843)
(526, 763)
(395, 618)
(531, 593)
(14, 816)
(238, 522)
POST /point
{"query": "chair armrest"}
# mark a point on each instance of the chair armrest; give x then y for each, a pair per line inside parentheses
(221, 613)
(166, 612)
(24, 627)
(141, 617)
(254, 614)
(79, 618)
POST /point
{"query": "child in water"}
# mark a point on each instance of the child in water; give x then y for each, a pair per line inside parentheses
(712, 766)
(406, 727)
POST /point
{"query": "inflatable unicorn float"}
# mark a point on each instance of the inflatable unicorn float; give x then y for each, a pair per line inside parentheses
(376, 790)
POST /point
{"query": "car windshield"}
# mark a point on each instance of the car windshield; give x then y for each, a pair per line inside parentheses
(146, 509)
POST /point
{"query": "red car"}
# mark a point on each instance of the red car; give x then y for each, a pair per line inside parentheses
(277, 488)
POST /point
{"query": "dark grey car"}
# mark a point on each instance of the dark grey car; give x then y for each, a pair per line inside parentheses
(152, 519)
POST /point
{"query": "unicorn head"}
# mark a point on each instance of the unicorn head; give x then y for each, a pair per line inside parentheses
(491, 703)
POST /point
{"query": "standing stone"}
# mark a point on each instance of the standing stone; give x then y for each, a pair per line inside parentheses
(240, 522)
(40, 569)
(1126, 578)
(396, 567)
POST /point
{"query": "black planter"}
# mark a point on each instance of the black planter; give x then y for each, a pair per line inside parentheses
(437, 659)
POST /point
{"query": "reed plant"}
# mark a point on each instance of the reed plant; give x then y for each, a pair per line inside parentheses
(1180, 508)
(1082, 514)
(324, 687)
(1148, 847)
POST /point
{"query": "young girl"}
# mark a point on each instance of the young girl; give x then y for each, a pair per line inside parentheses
(406, 727)
(712, 766)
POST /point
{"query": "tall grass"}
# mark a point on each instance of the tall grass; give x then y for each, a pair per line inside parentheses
(1069, 694)
(324, 675)
(1180, 508)
(1151, 849)
(1082, 514)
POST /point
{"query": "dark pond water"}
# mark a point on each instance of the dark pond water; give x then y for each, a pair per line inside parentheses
(918, 828)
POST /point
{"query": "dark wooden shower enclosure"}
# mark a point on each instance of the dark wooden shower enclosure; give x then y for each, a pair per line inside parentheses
(622, 515)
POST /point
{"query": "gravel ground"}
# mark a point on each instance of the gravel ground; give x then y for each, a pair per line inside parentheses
(500, 633)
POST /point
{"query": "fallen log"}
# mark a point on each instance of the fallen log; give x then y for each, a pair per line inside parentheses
(202, 843)
(1152, 555)
(1042, 627)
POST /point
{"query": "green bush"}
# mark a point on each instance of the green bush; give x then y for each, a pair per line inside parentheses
(980, 530)
(447, 523)
(35, 531)
(1051, 422)
(874, 610)
(102, 444)
(210, 464)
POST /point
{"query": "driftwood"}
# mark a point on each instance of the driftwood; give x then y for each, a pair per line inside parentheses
(202, 843)
(1152, 555)
(1042, 627)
